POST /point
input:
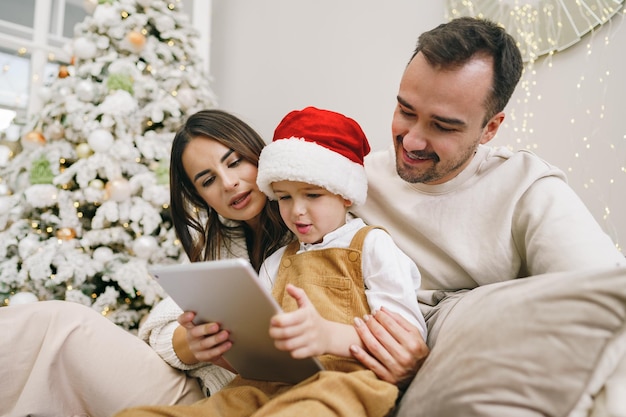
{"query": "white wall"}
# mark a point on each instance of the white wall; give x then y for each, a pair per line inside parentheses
(272, 56)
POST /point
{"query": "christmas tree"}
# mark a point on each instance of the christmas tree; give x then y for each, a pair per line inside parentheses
(85, 210)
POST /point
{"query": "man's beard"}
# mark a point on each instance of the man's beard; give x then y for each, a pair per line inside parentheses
(434, 172)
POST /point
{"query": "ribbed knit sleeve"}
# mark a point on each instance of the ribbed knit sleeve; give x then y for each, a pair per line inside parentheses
(158, 331)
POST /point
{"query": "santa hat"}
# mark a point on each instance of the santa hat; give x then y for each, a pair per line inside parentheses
(318, 147)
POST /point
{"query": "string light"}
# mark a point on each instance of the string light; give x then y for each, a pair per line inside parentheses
(571, 120)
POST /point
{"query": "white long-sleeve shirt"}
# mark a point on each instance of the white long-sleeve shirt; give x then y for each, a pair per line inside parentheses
(391, 278)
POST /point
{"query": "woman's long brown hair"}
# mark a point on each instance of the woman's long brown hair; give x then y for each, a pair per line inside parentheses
(197, 225)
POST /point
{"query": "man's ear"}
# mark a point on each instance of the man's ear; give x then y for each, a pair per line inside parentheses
(491, 128)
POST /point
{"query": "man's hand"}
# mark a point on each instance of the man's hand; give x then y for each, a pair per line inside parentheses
(394, 348)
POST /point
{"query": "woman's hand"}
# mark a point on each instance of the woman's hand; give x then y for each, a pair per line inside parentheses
(394, 348)
(204, 342)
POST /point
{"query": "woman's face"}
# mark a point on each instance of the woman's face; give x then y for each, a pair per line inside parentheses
(224, 180)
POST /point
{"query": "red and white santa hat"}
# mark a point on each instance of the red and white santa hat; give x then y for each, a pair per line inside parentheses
(318, 147)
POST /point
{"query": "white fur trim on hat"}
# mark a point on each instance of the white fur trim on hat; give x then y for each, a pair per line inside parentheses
(296, 159)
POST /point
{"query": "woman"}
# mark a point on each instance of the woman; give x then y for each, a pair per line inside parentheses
(66, 359)
(212, 179)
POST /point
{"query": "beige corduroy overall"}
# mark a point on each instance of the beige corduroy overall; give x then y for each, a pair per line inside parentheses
(333, 281)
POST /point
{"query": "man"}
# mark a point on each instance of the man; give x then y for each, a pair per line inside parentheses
(475, 219)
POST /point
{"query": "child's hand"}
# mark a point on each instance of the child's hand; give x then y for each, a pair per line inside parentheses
(206, 341)
(302, 332)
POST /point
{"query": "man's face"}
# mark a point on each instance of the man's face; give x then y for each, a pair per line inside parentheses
(438, 121)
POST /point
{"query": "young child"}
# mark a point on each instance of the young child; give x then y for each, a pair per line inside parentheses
(338, 269)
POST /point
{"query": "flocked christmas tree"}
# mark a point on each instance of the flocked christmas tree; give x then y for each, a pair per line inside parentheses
(86, 210)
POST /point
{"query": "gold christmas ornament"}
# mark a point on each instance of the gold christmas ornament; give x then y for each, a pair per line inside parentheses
(63, 71)
(96, 183)
(66, 233)
(34, 137)
(137, 39)
(83, 150)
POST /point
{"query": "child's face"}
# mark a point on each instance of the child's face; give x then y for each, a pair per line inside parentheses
(308, 210)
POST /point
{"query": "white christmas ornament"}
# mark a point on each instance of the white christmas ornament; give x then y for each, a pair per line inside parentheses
(118, 190)
(100, 140)
(23, 297)
(144, 246)
(84, 48)
(103, 254)
(85, 90)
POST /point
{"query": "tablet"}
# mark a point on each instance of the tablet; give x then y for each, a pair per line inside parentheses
(229, 292)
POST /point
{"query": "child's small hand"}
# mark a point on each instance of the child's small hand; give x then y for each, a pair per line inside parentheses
(300, 332)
